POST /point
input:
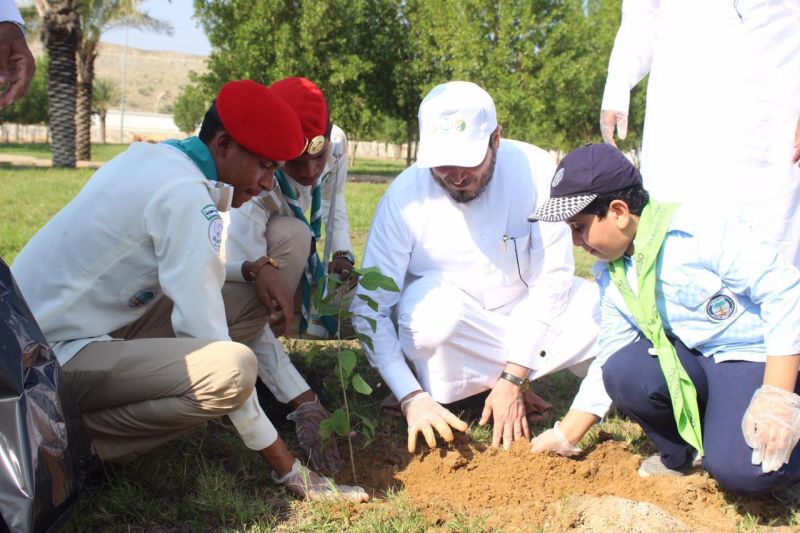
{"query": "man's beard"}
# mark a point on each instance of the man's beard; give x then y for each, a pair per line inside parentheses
(464, 197)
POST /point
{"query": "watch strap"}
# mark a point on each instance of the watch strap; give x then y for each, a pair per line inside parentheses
(258, 264)
(522, 383)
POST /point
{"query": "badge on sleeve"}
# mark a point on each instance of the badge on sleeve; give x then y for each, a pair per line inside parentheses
(143, 297)
(215, 233)
(720, 307)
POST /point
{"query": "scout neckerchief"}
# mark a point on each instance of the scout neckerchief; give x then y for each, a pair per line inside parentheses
(199, 154)
(313, 271)
(653, 225)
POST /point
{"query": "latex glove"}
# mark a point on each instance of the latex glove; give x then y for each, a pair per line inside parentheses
(16, 63)
(771, 426)
(305, 483)
(307, 419)
(613, 119)
(506, 406)
(277, 297)
(423, 414)
(554, 440)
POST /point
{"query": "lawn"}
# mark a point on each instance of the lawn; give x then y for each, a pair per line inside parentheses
(208, 480)
(100, 152)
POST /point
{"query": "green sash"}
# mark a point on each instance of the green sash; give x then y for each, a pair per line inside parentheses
(653, 225)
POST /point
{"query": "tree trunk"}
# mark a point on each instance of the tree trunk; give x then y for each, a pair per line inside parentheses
(83, 112)
(103, 127)
(61, 37)
(409, 141)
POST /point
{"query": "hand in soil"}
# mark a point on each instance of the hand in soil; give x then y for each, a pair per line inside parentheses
(554, 440)
(423, 414)
(305, 483)
(307, 419)
(506, 406)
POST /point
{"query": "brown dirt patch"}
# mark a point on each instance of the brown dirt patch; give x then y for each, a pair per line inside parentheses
(523, 491)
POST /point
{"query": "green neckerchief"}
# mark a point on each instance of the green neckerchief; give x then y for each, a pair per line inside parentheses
(653, 225)
(314, 270)
(198, 152)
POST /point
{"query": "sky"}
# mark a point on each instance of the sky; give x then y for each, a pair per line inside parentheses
(187, 38)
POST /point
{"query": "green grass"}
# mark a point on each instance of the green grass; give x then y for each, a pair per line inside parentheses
(100, 152)
(377, 167)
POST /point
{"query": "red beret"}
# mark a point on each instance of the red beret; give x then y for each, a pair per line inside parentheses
(308, 102)
(260, 121)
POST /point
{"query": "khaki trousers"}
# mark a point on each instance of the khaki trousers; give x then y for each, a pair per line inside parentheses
(139, 392)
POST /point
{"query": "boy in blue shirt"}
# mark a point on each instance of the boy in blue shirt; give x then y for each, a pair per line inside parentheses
(700, 330)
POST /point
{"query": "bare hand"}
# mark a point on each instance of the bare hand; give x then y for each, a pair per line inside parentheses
(796, 154)
(609, 120)
(275, 294)
(505, 404)
(341, 266)
(16, 63)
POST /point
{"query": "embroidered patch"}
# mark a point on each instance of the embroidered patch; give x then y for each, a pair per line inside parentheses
(720, 307)
(215, 233)
(143, 297)
(210, 212)
(557, 178)
(460, 125)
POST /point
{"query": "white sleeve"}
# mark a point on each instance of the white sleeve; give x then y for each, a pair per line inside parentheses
(276, 369)
(10, 13)
(186, 229)
(632, 53)
(616, 332)
(549, 281)
(341, 224)
(247, 233)
(252, 424)
(389, 248)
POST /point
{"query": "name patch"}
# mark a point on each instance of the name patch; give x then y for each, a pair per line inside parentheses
(210, 212)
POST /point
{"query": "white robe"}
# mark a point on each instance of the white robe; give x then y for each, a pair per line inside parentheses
(723, 101)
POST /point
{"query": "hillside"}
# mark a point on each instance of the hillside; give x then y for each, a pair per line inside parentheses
(153, 79)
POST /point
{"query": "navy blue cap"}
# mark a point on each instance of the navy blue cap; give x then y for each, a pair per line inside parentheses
(582, 175)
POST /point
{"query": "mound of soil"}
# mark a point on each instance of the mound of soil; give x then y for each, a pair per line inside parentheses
(522, 491)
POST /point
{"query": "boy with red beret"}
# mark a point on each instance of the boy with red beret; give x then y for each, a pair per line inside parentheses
(127, 286)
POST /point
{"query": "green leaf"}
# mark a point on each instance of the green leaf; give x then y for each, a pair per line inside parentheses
(327, 309)
(340, 423)
(318, 295)
(325, 431)
(370, 302)
(371, 321)
(366, 340)
(367, 429)
(347, 362)
(375, 280)
(361, 386)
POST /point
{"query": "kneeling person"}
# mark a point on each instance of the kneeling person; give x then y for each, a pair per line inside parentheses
(132, 262)
(698, 340)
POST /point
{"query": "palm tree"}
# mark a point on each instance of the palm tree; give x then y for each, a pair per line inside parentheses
(98, 16)
(61, 33)
(104, 93)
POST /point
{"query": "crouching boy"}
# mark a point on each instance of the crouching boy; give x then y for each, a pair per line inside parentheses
(700, 329)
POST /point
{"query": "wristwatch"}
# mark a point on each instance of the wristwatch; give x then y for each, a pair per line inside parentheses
(347, 254)
(258, 264)
(522, 383)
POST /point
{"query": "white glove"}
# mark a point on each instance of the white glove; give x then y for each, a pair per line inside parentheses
(554, 440)
(613, 119)
(771, 426)
(423, 413)
(305, 483)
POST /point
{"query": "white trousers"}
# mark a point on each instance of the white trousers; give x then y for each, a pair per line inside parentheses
(457, 348)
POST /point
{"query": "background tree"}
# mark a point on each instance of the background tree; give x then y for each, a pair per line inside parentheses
(104, 94)
(98, 16)
(61, 32)
(33, 108)
(190, 106)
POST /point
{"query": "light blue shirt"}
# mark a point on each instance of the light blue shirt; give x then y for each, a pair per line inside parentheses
(719, 290)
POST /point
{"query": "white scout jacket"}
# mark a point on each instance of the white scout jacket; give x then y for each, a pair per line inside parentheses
(246, 238)
(419, 229)
(723, 100)
(143, 225)
(719, 290)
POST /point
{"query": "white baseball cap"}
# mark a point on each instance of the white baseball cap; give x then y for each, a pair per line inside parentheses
(456, 120)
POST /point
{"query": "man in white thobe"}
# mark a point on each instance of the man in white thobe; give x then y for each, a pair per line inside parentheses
(487, 300)
(724, 93)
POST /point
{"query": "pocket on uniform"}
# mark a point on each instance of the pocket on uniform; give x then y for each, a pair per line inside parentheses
(142, 292)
